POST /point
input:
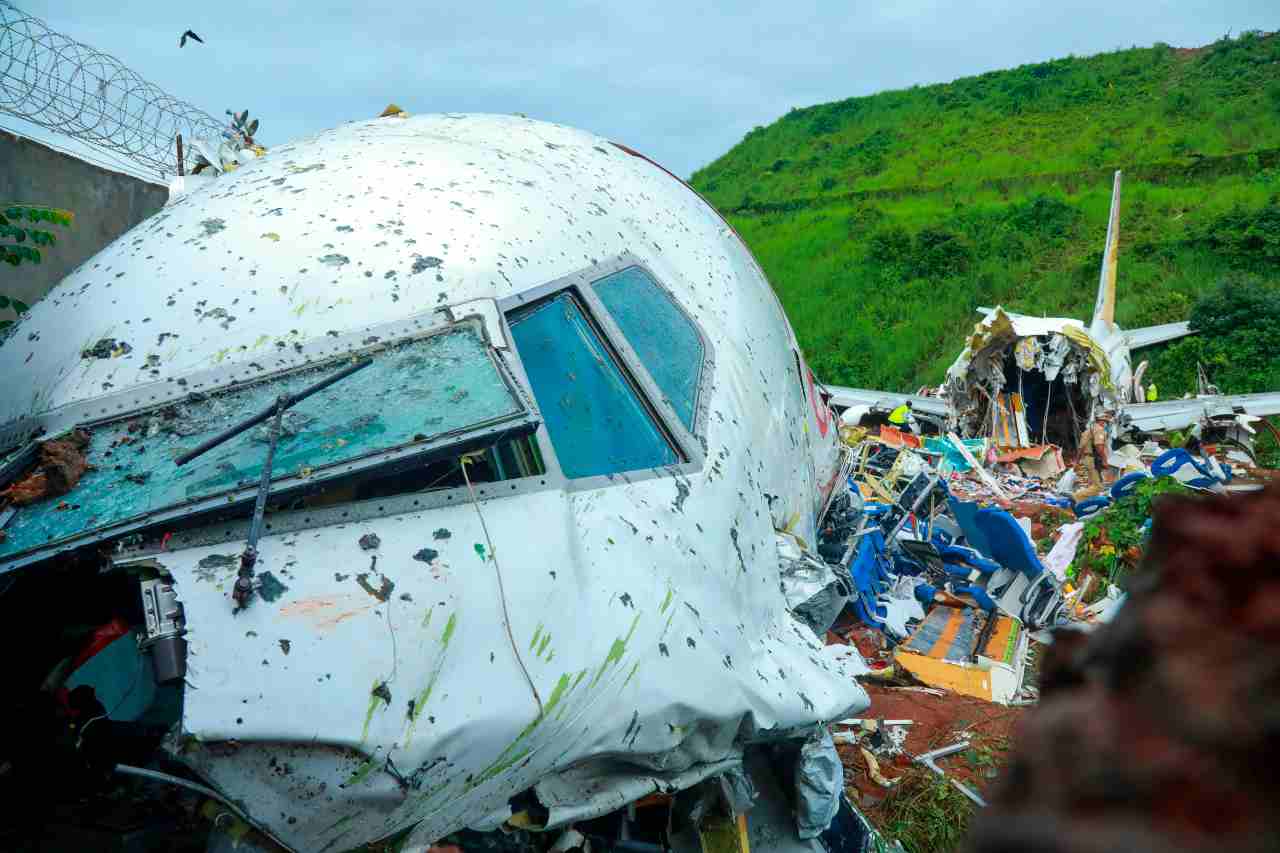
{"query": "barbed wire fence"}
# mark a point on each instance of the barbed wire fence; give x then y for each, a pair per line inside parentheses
(63, 85)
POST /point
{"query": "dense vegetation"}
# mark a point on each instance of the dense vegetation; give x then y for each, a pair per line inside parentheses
(884, 221)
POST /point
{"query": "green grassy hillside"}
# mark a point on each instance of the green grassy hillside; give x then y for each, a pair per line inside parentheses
(884, 221)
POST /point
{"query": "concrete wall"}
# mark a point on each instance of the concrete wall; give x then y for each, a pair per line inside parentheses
(106, 204)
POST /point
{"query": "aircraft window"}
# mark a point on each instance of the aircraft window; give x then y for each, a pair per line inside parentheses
(661, 334)
(417, 396)
(596, 419)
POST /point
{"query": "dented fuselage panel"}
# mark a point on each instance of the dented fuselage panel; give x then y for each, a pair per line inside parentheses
(377, 681)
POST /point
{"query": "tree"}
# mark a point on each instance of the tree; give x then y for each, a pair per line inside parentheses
(19, 243)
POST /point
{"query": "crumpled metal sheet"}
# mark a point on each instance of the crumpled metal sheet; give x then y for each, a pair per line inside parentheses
(600, 787)
(819, 784)
(816, 591)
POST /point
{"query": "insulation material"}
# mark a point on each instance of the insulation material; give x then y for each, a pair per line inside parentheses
(1010, 427)
(1026, 353)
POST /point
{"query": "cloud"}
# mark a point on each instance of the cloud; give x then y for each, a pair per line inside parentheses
(682, 84)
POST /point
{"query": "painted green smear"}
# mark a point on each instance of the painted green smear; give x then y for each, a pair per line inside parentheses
(420, 703)
(546, 638)
(495, 769)
(339, 822)
(374, 699)
(537, 632)
(616, 651)
(557, 694)
(666, 602)
(509, 756)
(362, 773)
(631, 674)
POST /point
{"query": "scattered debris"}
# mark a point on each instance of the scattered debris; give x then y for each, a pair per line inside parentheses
(59, 465)
(1139, 687)
(107, 348)
(370, 542)
(382, 592)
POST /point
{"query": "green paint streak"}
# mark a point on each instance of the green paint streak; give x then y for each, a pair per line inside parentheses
(577, 679)
(426, 620)
(667, 627)
(666, 602)
(562, 686)
(420, 703)
(374, 698)
(480, 550)
(339, 822)
(362, 773)
(336, 839)
(546, 638)
(506, 759)
(632, 673)
(500, 767)
(616, 651)
(537, 632)
(432, 791)
(551, 656)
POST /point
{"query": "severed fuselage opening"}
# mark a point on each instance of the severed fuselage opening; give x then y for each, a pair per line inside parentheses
(1053, 409)
(1025, 390)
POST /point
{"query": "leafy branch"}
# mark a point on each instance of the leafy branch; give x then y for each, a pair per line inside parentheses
(21, 242)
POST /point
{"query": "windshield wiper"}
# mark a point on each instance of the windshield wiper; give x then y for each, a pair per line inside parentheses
(242, 593)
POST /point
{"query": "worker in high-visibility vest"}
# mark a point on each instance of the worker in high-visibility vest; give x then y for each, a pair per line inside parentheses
(903, 416)
(1151, 393)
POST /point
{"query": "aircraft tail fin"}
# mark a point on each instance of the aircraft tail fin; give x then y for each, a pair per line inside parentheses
(1104, 310)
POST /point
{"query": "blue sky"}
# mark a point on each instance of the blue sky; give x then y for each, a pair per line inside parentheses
(681, 82)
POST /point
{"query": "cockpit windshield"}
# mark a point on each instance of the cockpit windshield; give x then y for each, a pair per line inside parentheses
(416, 394)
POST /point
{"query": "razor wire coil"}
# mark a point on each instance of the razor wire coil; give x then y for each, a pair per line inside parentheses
(68, 87)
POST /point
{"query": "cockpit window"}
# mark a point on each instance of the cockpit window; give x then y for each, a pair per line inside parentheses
(596, 419)
(662, 335)
(416, 395)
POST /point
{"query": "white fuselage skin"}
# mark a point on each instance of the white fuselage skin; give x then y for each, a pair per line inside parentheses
(1110, 338)
(669, 638)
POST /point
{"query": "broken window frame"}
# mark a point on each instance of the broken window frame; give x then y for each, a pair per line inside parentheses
(20, 437)
(17, 434)
(685, 443)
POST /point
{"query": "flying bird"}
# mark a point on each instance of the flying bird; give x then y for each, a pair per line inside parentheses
(189, 34)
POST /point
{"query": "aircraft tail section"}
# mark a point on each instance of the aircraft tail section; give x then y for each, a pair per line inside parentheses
(1104, 309)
